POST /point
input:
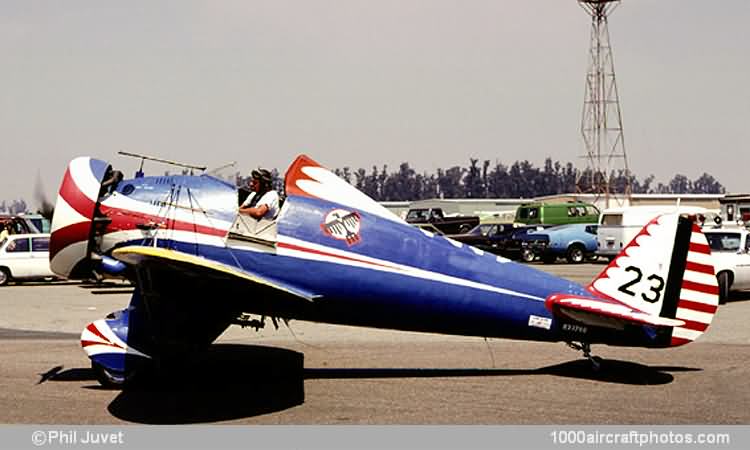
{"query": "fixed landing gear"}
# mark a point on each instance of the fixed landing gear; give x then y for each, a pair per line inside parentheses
(585, 347)
(108, 378)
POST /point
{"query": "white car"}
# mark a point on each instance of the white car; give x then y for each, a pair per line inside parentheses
(730, 248)
(24, 256)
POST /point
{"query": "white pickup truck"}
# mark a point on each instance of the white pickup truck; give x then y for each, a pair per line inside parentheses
(730, 248)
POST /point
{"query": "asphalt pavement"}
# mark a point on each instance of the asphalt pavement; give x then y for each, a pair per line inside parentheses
(323, 374)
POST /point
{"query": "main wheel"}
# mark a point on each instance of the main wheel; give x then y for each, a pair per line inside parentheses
(527, 255)
(724, 285)
(4, 276)
(109, 379)
(575, 254)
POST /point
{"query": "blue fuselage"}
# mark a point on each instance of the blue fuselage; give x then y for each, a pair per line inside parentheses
(396, 276)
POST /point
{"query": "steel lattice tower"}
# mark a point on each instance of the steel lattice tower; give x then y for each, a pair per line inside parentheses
(601, 121)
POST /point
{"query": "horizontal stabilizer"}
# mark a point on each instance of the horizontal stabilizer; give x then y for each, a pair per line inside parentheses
(604, 313)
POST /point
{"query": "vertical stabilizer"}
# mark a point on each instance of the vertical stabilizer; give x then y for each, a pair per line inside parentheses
(665, 271)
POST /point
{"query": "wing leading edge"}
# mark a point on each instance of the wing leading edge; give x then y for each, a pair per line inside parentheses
(179, 261)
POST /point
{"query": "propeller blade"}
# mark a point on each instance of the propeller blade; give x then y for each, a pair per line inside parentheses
(46, 207)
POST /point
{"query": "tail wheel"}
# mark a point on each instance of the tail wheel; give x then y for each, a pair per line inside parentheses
(464, 229)
(575, 254)
(4, 276)
(725, 283)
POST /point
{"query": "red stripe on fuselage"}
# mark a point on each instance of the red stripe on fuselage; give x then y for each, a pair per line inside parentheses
(126, 220)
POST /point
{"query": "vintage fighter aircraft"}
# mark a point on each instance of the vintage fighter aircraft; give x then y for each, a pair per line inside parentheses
(334, 255)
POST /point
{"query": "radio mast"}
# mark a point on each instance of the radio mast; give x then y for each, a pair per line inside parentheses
(601, 121)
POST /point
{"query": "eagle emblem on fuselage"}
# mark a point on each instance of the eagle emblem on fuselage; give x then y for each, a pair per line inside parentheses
(343, 225)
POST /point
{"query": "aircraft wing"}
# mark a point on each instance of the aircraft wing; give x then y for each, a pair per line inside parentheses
(186, 265)
(604, 313)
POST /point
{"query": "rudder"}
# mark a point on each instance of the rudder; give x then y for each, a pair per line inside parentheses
(665, 271)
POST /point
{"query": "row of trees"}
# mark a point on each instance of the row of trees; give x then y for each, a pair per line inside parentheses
(519, 180)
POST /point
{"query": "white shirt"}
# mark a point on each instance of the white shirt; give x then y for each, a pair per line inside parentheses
(270, 199)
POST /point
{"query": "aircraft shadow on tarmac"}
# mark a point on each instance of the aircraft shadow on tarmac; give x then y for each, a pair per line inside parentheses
(107, 287)
(236, 381)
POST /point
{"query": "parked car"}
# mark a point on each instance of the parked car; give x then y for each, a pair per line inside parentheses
(446, 224)
(18, 224)
(730, 251)
(41, 223)
(490, 237)
(23, 257)
(557, 213)
(574, 242)
(513, 247)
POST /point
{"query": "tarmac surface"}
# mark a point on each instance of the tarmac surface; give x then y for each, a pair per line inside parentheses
(323, 374)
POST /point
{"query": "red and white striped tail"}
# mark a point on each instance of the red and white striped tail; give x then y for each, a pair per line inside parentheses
(667, 272)
(699, 296)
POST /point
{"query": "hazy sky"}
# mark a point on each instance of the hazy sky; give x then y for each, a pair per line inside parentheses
(357, 83)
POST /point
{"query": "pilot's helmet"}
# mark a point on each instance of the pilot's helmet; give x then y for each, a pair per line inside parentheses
(262, 175)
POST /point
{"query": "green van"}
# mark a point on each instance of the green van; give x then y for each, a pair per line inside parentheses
(557, 213)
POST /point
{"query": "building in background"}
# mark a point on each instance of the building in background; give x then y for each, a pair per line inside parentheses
(735, 207)
(498, 206)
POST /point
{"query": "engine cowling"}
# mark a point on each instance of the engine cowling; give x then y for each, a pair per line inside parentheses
(73, 223)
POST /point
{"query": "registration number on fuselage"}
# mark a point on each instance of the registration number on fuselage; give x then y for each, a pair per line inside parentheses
(574, 328)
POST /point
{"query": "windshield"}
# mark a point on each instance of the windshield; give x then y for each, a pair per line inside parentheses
(481, 229)
(528, 213)
(417, 214)
(724, 242)
(611, 219)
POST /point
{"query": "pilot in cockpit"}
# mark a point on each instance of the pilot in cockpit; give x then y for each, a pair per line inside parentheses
(263, 201)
